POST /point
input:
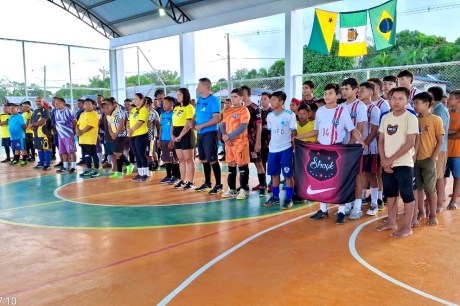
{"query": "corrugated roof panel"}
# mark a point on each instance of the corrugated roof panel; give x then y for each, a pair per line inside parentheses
(122, 9)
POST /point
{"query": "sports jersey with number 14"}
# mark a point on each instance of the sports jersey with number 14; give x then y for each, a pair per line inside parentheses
(333, 124)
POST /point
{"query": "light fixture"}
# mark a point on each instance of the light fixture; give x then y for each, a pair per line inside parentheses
(162, 11)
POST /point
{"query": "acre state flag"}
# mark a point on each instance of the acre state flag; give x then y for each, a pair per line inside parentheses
(322, 34)
(383, 23)
(327, 173)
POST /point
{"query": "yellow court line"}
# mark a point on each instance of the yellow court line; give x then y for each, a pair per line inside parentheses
(153, 226)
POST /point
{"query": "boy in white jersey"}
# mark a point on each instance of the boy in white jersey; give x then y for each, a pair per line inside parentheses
(332, 124)
(365, 93)
(282, 125)
(358, 114)
(377, 98)
(405, 79)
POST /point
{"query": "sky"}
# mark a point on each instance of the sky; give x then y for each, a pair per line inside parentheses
(40, 20)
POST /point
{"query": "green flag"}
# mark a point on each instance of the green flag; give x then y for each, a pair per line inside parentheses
(322, 34)
(383, 23)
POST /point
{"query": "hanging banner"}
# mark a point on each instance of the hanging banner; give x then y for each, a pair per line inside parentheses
(327, 173)
(322, 34)
(383, 23)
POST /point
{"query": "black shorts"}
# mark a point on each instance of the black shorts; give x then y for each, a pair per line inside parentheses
(29, 137)
(41, 143)
(87, 149)
(120, 144)
(370, 163)
(207, 146)
(168, 155)
(400, 182)
(187, 141)
(6, 142)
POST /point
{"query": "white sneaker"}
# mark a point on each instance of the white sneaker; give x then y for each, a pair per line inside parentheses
(230, 194)
(355, 214)
(243, 194)
(373, 210)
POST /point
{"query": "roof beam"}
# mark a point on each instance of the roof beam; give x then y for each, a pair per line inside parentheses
(89, 7)
(133, 17)
(173, 11)
(85, 15)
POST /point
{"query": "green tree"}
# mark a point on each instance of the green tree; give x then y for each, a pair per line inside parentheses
(314, 62)
(277, 69)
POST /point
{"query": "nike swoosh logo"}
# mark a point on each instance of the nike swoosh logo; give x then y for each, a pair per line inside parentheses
(312, 192)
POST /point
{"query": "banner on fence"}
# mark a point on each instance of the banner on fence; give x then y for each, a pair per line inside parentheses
(327, 173)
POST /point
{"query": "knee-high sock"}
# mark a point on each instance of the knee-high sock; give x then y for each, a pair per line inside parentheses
(168, 169)
(176, 170)
(207, 173)
(244, 177)
(217, 173)
(41, 157)
(47, 158)
(231, 179)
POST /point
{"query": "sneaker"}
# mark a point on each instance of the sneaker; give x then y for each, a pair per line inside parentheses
(166, 180)
(368, 200)
(341, 218)
(217, 189)
(262, 192)
(373, 210)
(179, 185)
(320, 215)
(62, 170)
(46, 168)
(95, 174)
(30, 159)
(173, 181)
(230, 194)
(129, 169)
(6, 160)
(222, 158)
(189, 185)
(14, 162)
(256, 188)
(355, 214)
(380, 205)
(85, 174)
(137, 177)
(287, 204)
(221, 153)
(204, 187)
(272, 201)
(242, 194)
(270, 188)
(144, 178)
(22, 163)
(116, 175)
(38, 166)
(58, 165)
(72, 170)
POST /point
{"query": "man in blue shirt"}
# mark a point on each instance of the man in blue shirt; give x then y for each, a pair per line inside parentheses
(17, 127)
(440, 110)
(206, 120)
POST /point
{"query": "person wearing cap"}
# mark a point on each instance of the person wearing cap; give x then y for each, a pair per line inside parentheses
(294, 106)
(27, 115)
(6, 142)
(40, 123)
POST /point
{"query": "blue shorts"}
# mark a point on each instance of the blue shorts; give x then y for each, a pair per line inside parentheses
(453, 165)
(18, 144)
(281, 161)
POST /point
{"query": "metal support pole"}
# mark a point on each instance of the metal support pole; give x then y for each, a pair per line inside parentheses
(229, 73)
(70, 79)
(44, 81)
(25, 69)
(138, 69)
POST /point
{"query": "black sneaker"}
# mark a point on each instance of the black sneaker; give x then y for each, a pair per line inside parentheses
(62, 170)
(380, 204)
(262, 192)
(272, 201)
(217, 189)
(30, 159)
(144, 178)
(46, 168)
(137, 177)
(320, 215)
(72, 170)
(6, 160)
(340, 218)
(287, 204)
(38, 166)
(189, 185)
(179, 185)
(58, 165)
(204, 187)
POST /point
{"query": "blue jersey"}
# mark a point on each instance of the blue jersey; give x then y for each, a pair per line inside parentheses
(15, 127)
(205, 109)
(166, 123)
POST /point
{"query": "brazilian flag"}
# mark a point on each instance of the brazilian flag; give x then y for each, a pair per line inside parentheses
(383, 23)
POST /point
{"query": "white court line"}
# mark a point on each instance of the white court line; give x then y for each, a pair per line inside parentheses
(203, 269)
(354, 253)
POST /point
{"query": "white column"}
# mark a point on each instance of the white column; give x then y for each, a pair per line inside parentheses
(117, 75)
(293, 54)
(187, 62)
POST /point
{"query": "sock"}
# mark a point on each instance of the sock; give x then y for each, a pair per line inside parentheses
(276, 192)
(65, 165)
(207, 173)
(374, 195)
(119, 165)
(244, 177)
(99, 157)
(342, 209)
(168, 169)
(74, 165)
(289, 192)
(262, 181)
(7, 152)
(16, 157)
(357, 204)
(217, 173)
(146, 171)
(41, 158)
(231, 179)
(175, 170)
(109, 159)
(88, 162)
(323, 207)
(151, 167)
(124, 160)
(348, 206)
(380, 196)
(363, 196)
(47, 158)
(140, 171)
(96, 160)
(24, 157)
